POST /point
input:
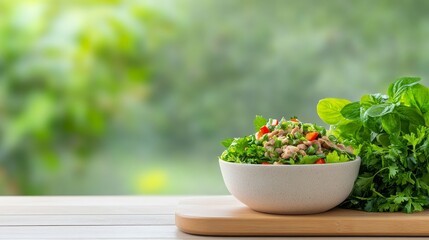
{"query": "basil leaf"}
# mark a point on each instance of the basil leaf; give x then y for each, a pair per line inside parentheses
(367, 101)
(383, 139)
(426, 117)
(380, 110)
(410, 114)
(351, 111)
(391, 123)
(371, 123)
(329, 109)
(396, 89)
(349, 129)
(418, 96)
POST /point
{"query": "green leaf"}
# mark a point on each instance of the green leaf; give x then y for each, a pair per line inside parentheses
(240, 144)
(417, 207)
(393, 170)
(412, 206)
(310, 159)
(383, 139)
(329, 109)
(259, 122)
(392, 138)
(391, 123)
(414, 139)
(400, 199)
(405, 178)
(426, 118)
(408, 208)
(417, 96)
(244, 150)
(332, 157)
(397, 88)
(371, 123)
(368, 100)
(227, 142)
(363, 184)
(351, 111)
(424, 148)
(348, 129)
(410, 114)
(380, 110)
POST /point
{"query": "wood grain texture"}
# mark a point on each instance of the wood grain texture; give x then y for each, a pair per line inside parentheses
(132, 232)
(225, 216)
(81, 205)
(87, 220)
(102, 217)
(89, 200)
(92, 232)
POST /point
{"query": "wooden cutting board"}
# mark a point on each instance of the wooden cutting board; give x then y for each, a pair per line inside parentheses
(225, 216)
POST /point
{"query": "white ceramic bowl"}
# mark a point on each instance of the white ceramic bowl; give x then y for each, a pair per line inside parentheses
(290, 189)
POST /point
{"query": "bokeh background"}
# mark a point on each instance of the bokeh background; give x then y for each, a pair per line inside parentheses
(134, 97)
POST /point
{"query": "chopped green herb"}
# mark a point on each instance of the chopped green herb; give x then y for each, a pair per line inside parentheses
(391, 135)
(284, 142)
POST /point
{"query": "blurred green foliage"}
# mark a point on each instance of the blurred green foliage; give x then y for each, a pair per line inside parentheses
(147, 89)
(66, 71)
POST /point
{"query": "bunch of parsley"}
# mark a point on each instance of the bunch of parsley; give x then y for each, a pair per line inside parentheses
(391, 135)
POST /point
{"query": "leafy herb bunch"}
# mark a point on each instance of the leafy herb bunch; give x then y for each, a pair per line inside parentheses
(391, 135)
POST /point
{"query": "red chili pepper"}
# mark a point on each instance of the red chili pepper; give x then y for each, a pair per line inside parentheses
(274, 122)
(265, 163)
(311, 136)
(264, 129)
(320, 161)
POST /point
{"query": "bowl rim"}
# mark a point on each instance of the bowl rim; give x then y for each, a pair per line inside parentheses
(357, 159)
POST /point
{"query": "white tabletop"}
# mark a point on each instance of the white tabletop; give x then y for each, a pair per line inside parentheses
(96, 217)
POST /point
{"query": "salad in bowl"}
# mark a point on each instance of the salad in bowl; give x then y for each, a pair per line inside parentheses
(288, 142)
(288, 167)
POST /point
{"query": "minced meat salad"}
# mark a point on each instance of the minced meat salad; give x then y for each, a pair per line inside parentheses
(286, 142)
